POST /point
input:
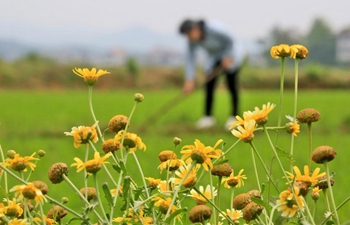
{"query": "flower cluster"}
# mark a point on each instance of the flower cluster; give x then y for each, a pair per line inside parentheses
(293, 51)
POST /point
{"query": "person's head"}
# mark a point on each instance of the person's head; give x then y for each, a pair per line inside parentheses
(192, 29)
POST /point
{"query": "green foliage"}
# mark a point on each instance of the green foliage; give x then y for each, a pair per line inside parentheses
(132, 67)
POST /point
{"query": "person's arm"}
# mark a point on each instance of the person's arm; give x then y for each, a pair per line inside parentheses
(190, 69)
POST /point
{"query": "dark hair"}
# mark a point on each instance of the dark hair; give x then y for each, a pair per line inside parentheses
(188, 24)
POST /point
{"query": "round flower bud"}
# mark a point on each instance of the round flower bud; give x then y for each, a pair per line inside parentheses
(139, 97)
(177, 141)
(221, 170)
(303, 187)
(41, 186)
(56, 172)
(308, 115)
(252, 211)
(11, 154)
(315, 195)
(41, 153)
(64, 200)
(322, 182)
(200, 213)
(241, 200)
(254, 193)
(118, 123)
(57, 213)
(166, 155)
(91, 193)
(323, 154)
(109, 146)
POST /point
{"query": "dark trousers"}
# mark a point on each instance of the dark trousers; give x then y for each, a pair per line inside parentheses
(232, 85)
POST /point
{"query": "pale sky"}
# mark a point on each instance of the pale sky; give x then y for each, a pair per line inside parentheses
(248, 19)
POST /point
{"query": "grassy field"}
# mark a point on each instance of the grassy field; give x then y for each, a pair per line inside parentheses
(33, 120)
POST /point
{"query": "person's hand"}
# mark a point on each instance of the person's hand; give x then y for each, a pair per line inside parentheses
(188, 86)
(226, 62)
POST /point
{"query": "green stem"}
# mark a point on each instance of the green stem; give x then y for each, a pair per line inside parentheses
(212, 194)
(339, 207)
(127, 124)
(215, 206)
(80, 195)
(256, 170)
(219, 191)
(308, 212)
(326, 200)
(314, 209)
(93, 113)
(99, 198)
(85, 173)
(310, 143)
(42, 214)
(281, 96)
(177, 189)
(227, 151)
(331, 193)
(273, 211)
(5, 175)
(296, 87)
(144, 181)
(263, 164)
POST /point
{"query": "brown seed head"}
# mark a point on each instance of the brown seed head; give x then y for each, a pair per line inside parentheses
(322, 182)
(109, 146)
(323, 154)
(252, 211)
(308, 115)
(57, 213)
(91, 193)
(198, 156)
(254, 193)
(221, 170)
(56, 172)
(303, 187)
(200, 213)
(117, 123)
(241, 200)
(166, 155)
(42, 186)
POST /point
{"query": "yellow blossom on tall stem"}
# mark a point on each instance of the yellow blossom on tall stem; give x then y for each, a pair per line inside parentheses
(207, 192)
(164, 204)
(48, 221)
(298, 51)
(307, 177)
(29, 191)
(191, 178)
(153, 183)
(234, 181)
(83, 134)
(293, 128)
(18, 222)
(201, 154)
(90, 76)
(13, 208)
(245, 132)
(280, 51)
(131, 141)
(289, 205)
(247, 116)
(261, 115)
(19, 163)
(91, 166)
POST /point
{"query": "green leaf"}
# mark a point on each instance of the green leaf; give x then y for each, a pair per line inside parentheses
(116, 167)
(262, 188)
(3, 193)
(177, 212)
(75, 218)
(107, 193)
(259, 201)
(330, 222)
(123, 168)
(126, 190)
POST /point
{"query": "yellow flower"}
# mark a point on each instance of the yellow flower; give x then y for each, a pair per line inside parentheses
(131, 141)
(234, 181)
(82, 135)
(232, 214)
(181, 173)
(19, 163)
(306, 177)
(48, 221)
(290, 204)
(13, 209)
(164, 204)
(30, 192)
(153, 183)
(174, 164)
(18, 222)
(247, 116)
(200, 200)
(293, 128)
(280, 51)
(245, 132)
(165, 188)
(90, 76)
(201, 154)
(261, 115)
(134, 218)
(93, 165)
(298, 52)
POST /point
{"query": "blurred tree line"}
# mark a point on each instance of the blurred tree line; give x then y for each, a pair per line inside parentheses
(320, 40)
